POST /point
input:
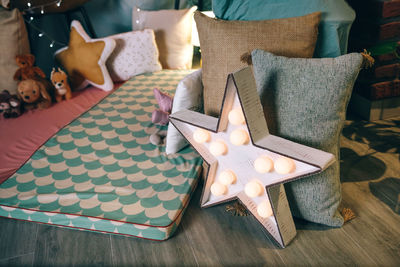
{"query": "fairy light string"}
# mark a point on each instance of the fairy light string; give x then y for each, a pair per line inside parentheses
(41, 34)
(32, 8)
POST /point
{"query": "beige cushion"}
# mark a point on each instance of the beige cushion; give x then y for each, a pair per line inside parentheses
(223, 42)
(173, 30)
(14, 41)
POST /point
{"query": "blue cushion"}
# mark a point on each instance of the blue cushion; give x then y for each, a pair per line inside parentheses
(334, 28)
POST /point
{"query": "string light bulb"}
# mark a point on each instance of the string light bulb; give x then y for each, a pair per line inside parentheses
(42, 11)
(59, 3)
(52, 44)
(41, 34)
(29, 4)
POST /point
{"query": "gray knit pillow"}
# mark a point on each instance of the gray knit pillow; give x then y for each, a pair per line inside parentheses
(305, 100)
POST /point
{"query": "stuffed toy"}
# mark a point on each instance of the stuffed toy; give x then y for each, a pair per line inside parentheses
(4, 106)
(160, 116)
(35, 93)
(10, 105)
(26, 69)
(60, 81)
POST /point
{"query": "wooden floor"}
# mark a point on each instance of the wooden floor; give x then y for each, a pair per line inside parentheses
(370, 171)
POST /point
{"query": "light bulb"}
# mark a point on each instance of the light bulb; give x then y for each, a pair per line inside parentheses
(218, 189)
(42, 10)
(236, 116)
(59, 3)
(227, 177)
(239, 137)
(30, 18)
(52, 44)
(201, 136)
(29, 4)
(263, 164)
(284, 165)
(218, 148)
(264, 209)
(40, 34)
(253, 189)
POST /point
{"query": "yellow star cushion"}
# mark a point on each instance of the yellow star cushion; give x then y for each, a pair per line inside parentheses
(85, 59)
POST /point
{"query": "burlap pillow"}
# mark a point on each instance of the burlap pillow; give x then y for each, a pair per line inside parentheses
(14, 41)
(223, 42)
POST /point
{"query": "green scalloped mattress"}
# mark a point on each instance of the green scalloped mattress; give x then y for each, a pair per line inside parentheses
(101, 173)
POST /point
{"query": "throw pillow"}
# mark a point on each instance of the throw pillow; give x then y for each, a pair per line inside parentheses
(305, 101)
(135, 53)
(188, 95)
(85, 59)
(223, 42)
(173, 30)
(14, 41)
(333, 30)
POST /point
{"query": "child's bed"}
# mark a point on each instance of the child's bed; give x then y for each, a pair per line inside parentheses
(100, 172)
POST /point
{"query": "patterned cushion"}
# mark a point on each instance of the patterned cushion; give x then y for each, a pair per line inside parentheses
(223, 42)
(135, 53)
(305, 101)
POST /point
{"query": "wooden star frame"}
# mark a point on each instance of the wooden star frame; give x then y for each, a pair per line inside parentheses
(241, 92)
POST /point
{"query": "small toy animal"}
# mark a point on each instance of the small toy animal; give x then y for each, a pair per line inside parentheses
(35, 93)
(26, 69)
(10, 105)
(4, 106)
(160, 116)
(60, 81)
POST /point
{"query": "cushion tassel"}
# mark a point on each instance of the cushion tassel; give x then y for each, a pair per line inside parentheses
(368, 60)
(347, 214)
(237, 209)
(246, 58)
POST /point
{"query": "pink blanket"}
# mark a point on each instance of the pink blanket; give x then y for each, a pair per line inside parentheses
(22, 136)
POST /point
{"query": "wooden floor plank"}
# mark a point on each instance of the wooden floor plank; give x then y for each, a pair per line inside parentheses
(22, 260)
(131, 251)
(61, 246)
(219, 238)
(12, 232)
(376, 228)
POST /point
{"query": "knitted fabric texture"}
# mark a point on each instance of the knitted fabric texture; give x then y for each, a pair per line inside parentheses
(305, 101)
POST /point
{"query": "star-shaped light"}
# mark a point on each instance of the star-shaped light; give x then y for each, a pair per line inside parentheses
(85, 58)
(244, 161)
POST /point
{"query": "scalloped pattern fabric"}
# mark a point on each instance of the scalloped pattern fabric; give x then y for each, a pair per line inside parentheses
(101, 173)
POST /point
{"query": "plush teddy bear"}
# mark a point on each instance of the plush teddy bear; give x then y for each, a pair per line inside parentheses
(60, 81)
(10, 105)
(26, 69)
(35, 93)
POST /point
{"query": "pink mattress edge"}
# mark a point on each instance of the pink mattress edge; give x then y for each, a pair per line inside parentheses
(21, 137)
